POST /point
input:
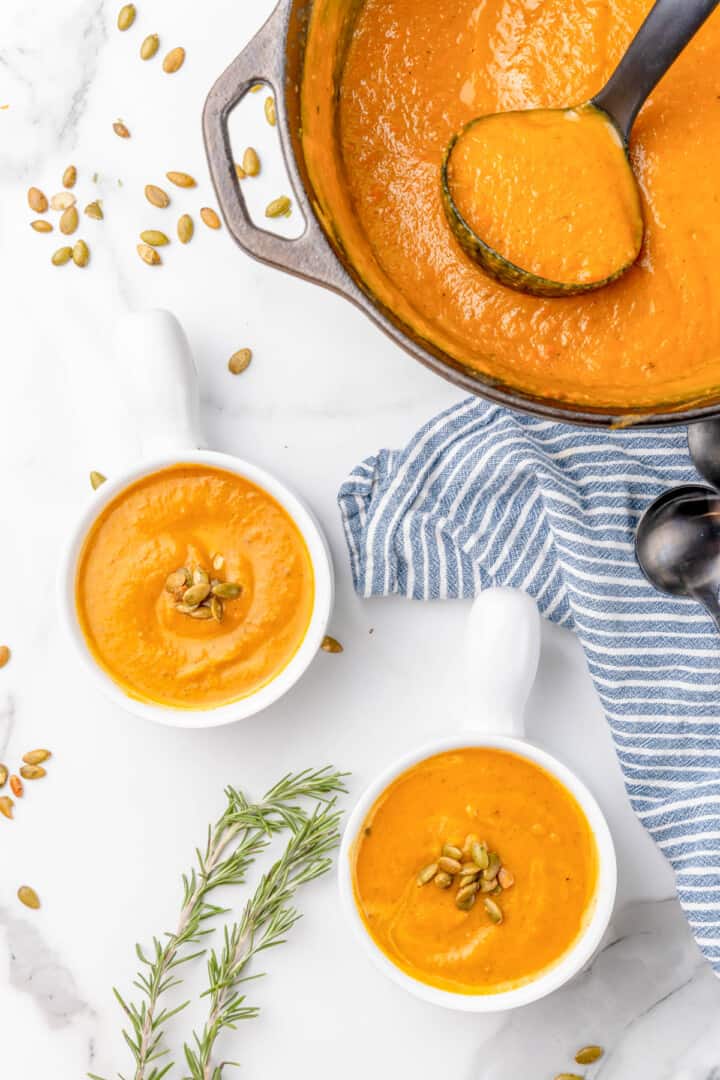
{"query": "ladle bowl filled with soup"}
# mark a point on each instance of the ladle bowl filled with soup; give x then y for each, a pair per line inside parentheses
(369, 95)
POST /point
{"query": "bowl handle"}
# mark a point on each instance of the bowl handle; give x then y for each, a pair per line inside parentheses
(157, 381)
(310, 255)
(502, 651)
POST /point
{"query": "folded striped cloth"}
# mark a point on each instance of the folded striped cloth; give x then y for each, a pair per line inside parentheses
(482, 496)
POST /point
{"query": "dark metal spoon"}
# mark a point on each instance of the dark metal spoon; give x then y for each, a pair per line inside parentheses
(668, 28)
(677, 543)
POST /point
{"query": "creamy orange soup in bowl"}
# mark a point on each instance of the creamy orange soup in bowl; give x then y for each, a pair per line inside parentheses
(198, 590)
(480, 877)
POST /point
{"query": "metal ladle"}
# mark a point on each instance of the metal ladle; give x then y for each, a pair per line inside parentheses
(677, 542)
(668, 28)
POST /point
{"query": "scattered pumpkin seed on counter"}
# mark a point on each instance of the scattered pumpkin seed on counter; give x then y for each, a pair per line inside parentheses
(149, 47)
(126, 17)
(3, 775)
(331, 645)
(185, 229)
(474, 869)
(28, 897)
(63, 200)
(33, 772)
(121, 129)
(181, 179)
(240, 361)
(156, 196)
(174, 60)
(589, 1054)
(69, 176)
(41, 225)
(36, 757)
(149, 255)
(196, 594)
(94, 210)
(154, 237)
(69, 221)
(96, 479)
(270, 111)
(210, 218)
(6, 806)
(4, 655)
(81, 253)
(278, 207)
(37, 201)
(251, 162)
(239, 171)
(16, 786)
(61, 256)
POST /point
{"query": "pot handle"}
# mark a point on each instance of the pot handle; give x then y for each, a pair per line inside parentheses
(158, 381)
(502, 649)
(310, 255)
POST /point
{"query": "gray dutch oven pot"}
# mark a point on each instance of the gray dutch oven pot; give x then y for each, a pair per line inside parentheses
(275, 57)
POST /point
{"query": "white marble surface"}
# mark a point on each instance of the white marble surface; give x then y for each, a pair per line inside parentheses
(105, 838)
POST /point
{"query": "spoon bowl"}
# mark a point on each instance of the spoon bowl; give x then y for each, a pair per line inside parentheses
(677, 545)
(581, 216)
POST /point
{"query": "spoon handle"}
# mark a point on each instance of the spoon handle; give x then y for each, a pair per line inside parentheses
(662, 37)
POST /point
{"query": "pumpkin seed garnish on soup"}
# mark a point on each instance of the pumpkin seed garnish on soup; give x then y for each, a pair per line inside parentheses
(198, 595)
(480, 873)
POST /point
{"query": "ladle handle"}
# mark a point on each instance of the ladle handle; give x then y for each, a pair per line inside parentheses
(662, 37)
(502, 649)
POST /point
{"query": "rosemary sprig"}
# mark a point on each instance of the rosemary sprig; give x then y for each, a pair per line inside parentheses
(266, 920)
(238, 836)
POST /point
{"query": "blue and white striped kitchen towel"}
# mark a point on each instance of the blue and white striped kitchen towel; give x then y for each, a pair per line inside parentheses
(483, 496)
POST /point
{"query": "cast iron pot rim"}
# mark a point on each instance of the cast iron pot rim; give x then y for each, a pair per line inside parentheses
(314, 257)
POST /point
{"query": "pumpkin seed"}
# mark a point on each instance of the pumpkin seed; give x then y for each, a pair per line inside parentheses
(184, 609)
(81, 253)
(174, 60)
(154, 237)
(442, 880)
(200, 576)
(493, 911)
(41, 226)
(493, 866)
(568, 1076)
(218, 562)
(94, 210)
(239, 171)
(69, 176)
(227, 590)
(277, 207)
(157, 196)
(251, 162)
(126, 17)
(121, 129)
(479, 854)
(4, 657)
(466, 892)
(96, 479)
(6, 806)
(61, 256)
(181, 179)
(506, 879)
(217, 608)
(16, 786)
(239, 361)
(196, 594)
(331, 645)
(149, 47)
(185, 229)
(28, 897)
(487, 886)
(36, 757)
(149, 255)
(470, 839)
(427, 873)
(3, 775)
(201, 613)
(69, 221)
(210, 218)
(450, 866)
(256, 88)
(270, 111)
(466, 878)
(466, 903)
(179, 579)
(62, 200)
(589, 1054)
(33, 772)
(37, 200)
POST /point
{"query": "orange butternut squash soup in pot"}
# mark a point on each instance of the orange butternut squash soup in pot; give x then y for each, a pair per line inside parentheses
(409, 76)
(194, 587)
(475, 871)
